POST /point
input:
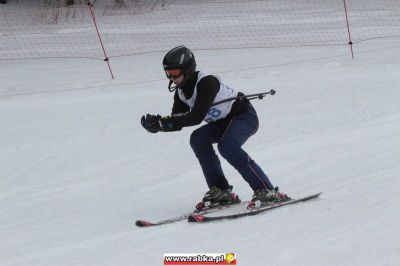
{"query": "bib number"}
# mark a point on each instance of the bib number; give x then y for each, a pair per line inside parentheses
(213, 114)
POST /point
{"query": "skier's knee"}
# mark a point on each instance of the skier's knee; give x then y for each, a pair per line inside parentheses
(196, 138)
(227, 149)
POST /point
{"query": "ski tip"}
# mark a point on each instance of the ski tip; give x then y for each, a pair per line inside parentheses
(196, 218)
(142, 223)
(314, 196)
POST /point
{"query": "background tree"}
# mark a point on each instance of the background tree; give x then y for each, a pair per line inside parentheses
(69, 2)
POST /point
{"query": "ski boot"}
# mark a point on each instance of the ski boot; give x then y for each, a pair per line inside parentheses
(264, 197)
(217, 197)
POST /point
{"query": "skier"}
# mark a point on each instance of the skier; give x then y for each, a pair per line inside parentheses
(229, 124)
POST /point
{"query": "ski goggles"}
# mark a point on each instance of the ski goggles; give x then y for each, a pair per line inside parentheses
(173, 73)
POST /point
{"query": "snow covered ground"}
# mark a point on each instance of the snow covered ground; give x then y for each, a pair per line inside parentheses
(77, 169)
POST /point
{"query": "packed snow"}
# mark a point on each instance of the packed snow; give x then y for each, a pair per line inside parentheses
(77, 168)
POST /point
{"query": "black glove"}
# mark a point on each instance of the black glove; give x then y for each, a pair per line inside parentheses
(155, 123)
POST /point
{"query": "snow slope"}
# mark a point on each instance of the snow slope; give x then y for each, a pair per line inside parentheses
(77, 169)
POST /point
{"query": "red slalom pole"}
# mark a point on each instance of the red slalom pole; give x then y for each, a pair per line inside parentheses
(106, 59)
(348, 28)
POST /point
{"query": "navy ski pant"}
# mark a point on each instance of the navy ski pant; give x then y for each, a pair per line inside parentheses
(230, 134)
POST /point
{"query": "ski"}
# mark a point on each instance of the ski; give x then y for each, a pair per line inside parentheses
(144, 223)
(201, 218)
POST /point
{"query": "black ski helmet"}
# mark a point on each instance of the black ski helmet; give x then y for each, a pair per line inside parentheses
(182, 58)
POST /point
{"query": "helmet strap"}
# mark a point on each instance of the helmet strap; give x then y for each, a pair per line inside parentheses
(171, 88)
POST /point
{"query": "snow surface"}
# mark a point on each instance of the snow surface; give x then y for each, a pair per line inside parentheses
(77, 169)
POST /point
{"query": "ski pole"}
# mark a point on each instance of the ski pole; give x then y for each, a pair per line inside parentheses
(249, 97)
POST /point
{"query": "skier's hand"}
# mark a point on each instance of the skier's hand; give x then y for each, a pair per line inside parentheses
(151, 123)
(155, 123)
